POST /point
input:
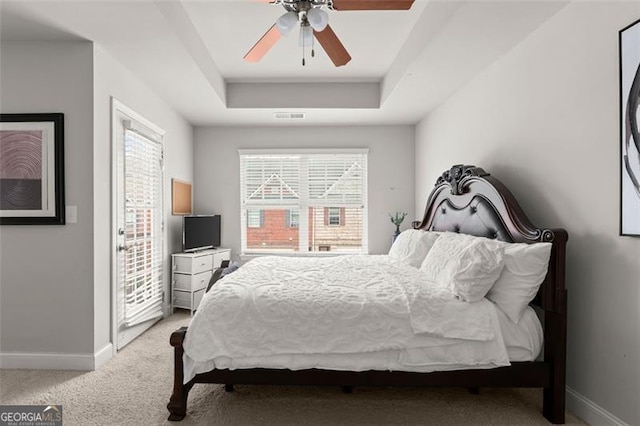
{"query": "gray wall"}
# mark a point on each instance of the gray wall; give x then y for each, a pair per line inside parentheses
(55, 294)
(46, 272)
(112, 79)
(544, 119)
(391, 170)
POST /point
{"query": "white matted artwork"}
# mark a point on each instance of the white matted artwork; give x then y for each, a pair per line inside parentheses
(31, 169)
(629, 45)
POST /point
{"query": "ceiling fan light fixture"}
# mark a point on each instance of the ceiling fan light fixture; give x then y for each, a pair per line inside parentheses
(286, 22)
(314, 25)
(318, 18)
(306, 36)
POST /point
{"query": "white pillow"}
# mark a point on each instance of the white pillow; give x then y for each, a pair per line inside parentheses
(525, 266)
(412, 246)
(468, 266)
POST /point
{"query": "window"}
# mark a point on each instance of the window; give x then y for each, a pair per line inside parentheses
(142, 226)
(308, 201)
(293, 218)
(333, 216)
(254, 218)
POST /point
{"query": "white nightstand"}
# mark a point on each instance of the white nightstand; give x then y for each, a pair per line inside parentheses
(190, 275)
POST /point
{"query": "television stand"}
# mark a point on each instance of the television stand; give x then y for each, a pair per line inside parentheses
(190, 275)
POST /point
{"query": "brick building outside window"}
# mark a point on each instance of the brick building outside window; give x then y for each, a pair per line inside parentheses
(287, 202)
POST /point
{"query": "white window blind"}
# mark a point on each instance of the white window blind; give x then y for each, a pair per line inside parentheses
(337, 180)
(324, 188)
(143, 263)
(270, 180)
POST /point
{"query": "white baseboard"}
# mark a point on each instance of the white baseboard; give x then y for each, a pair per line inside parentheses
(56, 361)
(102, 356)
(589, 411)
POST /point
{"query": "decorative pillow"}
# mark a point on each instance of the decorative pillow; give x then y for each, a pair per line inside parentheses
(468, 266)
(232, 266)
(412, 246)
(525, 267)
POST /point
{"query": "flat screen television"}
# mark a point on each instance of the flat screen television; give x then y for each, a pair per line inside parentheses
(200, 232)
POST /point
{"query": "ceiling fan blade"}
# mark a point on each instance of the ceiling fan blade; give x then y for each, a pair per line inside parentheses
(332, 46)
(372, 4)
(263, 45)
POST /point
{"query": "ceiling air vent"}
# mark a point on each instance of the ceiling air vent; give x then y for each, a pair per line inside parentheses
(288, 115)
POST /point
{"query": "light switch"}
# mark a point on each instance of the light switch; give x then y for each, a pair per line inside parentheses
(71, 214)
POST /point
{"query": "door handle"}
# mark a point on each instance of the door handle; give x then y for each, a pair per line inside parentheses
(123, 247)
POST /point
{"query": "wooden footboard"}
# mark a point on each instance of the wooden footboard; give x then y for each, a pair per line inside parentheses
(177, 405)
(544, 375)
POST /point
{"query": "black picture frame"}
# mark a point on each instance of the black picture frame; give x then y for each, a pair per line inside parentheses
(32, 169)
(629, 61)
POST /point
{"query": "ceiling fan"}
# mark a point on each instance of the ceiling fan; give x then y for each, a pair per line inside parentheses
(313, 21)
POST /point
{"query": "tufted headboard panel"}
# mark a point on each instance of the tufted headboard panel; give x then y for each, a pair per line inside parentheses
(478, 218)
(468, 200)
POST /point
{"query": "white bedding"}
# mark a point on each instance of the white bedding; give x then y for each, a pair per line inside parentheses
(523, 342)
(278, 312)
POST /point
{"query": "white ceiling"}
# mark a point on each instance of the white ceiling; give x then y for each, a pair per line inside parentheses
(190, 52)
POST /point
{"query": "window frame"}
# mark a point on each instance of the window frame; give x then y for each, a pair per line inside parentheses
(290, 215)
(356, 174)
(250, 220)
(334, 213)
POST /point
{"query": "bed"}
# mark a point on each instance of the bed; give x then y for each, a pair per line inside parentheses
(466, 201)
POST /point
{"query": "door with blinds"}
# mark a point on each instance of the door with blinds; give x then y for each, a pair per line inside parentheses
(139, 245)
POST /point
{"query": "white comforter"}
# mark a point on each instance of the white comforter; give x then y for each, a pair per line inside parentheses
(347, 304)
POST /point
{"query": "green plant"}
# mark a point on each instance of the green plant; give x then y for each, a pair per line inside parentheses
(397, 218)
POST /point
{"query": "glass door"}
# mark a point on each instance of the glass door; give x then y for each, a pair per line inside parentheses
(140, 218)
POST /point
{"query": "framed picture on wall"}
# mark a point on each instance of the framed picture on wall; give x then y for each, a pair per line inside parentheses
(181, 197)
(32, 169)
(629, 46)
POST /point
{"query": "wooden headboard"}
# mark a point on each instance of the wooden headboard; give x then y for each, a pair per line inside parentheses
(468, 200)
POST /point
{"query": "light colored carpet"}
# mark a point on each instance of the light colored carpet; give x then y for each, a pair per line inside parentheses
(134, 387)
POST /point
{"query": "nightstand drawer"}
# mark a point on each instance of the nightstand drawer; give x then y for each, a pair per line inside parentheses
(192, 264)
(182, 299)
(191, 274)
(197, 298)
(191, 282)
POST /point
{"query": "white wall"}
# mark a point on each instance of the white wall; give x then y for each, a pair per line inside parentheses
(391, 170)
(46, 272)
(544, 119)
(111, 79)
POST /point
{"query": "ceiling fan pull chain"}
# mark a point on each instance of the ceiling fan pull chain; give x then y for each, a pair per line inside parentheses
(303, 49)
